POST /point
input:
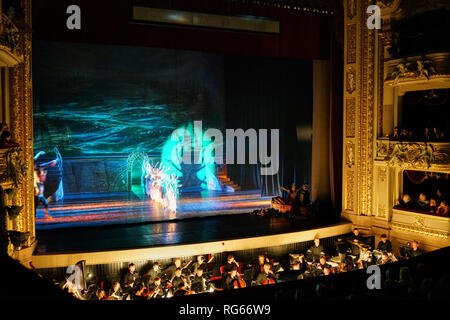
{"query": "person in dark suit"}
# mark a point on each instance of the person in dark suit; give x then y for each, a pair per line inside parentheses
(316, 250)
(266, 276)
(384, 244)
(414, 251)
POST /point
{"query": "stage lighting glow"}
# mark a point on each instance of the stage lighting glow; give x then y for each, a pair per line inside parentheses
(205, 172)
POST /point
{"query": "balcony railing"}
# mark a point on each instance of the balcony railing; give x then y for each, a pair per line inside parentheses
(414, 154)
(420, 222)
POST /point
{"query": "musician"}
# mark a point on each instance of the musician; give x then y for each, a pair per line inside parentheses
(154, 272)
(178, 278)
(230, 278)
(130, 278)
(230, 265)
(201, 263)
(323, 263)
(385, 258)
(116, 291)
(200, 283)
(266, 275)
(341, 249)
(356, 238)
(384, 244)
(300, 265)
(258, 267)
(181, 291)
(100, 295)
(139, 293)
(156, 289)
(316, 251)
(414, 251)
(170, 271)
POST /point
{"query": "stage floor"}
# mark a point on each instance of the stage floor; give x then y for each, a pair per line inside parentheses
(183, 232)
(89, 210)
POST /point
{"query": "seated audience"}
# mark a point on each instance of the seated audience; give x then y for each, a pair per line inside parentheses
(406, 202)
(433, 206)
(395, 135)
(442, 210)
(423, 203)
(439, 196)
(6, 142)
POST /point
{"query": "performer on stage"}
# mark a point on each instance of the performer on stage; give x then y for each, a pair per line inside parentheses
(304, 195)
(40, 175)
(292, 195)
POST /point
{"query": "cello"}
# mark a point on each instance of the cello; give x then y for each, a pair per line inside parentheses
(239, 284)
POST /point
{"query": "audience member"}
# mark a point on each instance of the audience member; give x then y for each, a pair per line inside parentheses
(6, 142)
(442, 210)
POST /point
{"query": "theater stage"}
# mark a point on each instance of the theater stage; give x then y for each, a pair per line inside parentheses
(88, 210)
(163, 240)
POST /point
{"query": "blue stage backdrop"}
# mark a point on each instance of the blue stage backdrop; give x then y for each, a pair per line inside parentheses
(92, 100)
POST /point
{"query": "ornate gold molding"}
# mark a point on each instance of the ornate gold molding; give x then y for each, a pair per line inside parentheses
(417, 155)
(21, 110)
(417, 228)
(351, 43)
(349, 186)
(350, 113)
(350, 80)
(350, 154)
